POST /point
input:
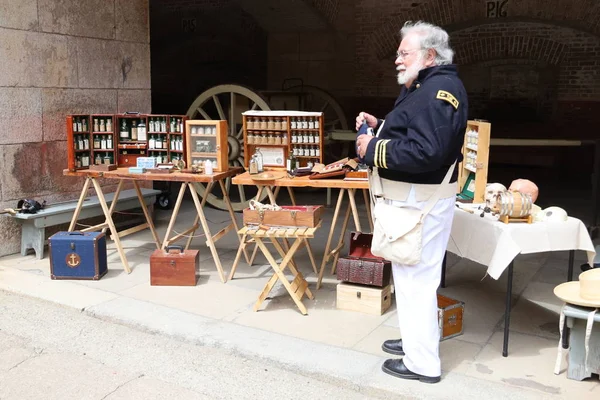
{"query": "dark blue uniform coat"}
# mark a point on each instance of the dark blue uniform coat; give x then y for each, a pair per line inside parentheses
(424, 133)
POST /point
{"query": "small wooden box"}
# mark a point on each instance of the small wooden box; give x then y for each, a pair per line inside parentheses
(450, 317)
(305, 216)
(365, 299)
(174, 267)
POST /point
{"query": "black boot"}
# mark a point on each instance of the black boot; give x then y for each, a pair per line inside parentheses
(393, 346)
(398, 369)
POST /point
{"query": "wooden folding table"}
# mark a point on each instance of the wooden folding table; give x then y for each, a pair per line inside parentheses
(297, 287)
(346, 187)
(188, 180)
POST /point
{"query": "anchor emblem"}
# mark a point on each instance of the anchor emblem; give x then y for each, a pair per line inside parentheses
(73, 260)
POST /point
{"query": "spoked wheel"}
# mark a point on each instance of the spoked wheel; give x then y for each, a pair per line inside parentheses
(228, 102)
(312, 98)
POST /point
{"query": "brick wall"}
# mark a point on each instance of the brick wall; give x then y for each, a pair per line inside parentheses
(61, 57)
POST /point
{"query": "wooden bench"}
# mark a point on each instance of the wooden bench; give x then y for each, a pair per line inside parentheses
(33, 226)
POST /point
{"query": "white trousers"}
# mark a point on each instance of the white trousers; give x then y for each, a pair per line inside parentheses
(416, 289)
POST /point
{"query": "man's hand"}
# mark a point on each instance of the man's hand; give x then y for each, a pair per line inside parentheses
(363, 116)
(361, 145)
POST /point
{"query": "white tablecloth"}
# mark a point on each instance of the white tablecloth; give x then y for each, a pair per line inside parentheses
(496, 244)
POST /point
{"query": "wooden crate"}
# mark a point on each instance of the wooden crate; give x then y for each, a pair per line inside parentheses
(450, 317)
(207, 140)
(365, 299)
(305, 216)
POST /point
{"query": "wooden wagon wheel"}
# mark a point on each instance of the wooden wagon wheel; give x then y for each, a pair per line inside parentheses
(227, 102)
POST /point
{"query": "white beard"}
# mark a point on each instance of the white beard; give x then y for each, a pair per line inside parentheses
(411, 73)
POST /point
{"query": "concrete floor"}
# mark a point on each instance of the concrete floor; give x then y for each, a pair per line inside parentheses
(346, 344)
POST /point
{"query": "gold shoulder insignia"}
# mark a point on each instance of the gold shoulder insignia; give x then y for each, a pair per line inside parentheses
(447, 96)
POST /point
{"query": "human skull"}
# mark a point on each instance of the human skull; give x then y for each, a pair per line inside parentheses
(492, 190)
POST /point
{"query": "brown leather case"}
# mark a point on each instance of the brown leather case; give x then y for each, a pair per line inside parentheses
(174, 267)
(361, 266)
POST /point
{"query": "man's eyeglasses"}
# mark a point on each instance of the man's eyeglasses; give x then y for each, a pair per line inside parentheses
(403, 53)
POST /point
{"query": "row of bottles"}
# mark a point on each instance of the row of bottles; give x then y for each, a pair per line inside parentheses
(106, 158)
(471, 159)
(306, 151)
(266, 123)
(159, 124)
(80, 124)
(81, 142)
(304, 122)
(472, 137)
(264, 138)
(103, 142)
(82, 160)
(305, 137)
(132, 131)
(159, 142)
(103, 124)
(203, 130)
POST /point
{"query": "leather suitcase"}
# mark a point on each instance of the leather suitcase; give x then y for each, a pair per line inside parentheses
(77, 255)
(174, 267)
(361, 266)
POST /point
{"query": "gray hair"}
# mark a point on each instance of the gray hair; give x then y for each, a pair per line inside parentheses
(431, 37)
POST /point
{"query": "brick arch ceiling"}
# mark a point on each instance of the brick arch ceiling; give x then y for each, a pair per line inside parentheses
(514, 46)
(579, 14)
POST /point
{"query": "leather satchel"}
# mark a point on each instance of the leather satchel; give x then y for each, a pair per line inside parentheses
(361, 266)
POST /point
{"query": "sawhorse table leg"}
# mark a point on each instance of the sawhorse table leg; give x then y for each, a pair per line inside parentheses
(335, 252)
(107, 213)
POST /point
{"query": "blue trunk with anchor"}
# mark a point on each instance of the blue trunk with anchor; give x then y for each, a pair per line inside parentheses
(77, 255)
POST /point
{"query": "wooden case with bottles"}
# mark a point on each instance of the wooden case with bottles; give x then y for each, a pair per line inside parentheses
(473, 170)
(108, 141)
(207, 140)
(278, 134)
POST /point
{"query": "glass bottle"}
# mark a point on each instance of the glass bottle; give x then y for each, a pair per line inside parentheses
(109, 125)
(109, 143)
(96, 142)
(259, 159)
(103, 143)
(124, 133)
(142, 132)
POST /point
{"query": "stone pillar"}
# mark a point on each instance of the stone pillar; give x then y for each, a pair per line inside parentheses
(62, 57)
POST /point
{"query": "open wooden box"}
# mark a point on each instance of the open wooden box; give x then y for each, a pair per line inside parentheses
(305, 216)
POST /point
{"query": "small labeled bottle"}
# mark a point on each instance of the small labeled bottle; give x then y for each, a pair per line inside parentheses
(109, 143)
(124, 133)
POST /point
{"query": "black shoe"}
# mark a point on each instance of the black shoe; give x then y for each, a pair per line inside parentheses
(393, 346)
(587, 267)
(398, 369)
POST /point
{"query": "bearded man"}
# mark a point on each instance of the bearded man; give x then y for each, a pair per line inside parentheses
(414, 147)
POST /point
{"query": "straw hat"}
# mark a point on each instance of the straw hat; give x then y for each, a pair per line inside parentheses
(585, 292)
